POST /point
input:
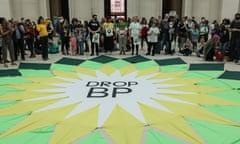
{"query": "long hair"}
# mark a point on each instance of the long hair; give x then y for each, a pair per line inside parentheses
(39, 19)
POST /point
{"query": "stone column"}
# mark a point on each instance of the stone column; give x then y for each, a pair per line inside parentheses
(5, 9)
(229, 8)
(187, 7)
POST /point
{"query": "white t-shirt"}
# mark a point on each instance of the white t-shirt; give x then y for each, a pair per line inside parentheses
(135, 29)
(153, 34)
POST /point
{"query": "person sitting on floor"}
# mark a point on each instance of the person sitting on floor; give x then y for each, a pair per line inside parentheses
(187, 48)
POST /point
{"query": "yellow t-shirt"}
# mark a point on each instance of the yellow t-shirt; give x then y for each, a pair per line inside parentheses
(109, 28)
(42, 28)
(108, 24)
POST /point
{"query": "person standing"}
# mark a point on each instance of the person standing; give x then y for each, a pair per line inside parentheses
(122, 35)
(235, 39)
(43, 36)
(94, 28)
(108, 28)
(152, 38)
(64, 34)
(7, 43)
(29, 37)
(18, 40)
(135, 29)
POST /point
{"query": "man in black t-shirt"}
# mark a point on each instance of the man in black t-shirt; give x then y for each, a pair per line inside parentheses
(235, 39)
(94, 28)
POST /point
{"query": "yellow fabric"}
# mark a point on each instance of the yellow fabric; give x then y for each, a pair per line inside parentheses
(42, 28)
(127, 70)
(26, 95)
(27, 107)
(107, 69)
(40, 119)
(124, 129)
(194, 112)
(170, 123)
(148, 71)
(86, 71)
(75, 127)
(65, 74)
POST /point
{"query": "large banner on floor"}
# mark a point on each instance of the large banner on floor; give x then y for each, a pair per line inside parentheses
(106, 100)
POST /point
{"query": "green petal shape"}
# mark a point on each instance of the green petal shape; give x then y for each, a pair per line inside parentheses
(36, 73)
(91, 65)
(202, 74)
(173, 68)
(40, 136)
(94, 138)
(154, 137)
(228, 112)
(6, 90)
(214, 133)
(63, 67)
(232, 95)
(119, 64)
(146, 65)
(13, 80)
(222, 83)
(6, 122)
(4, 104)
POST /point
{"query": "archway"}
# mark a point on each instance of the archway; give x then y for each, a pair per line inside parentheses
(172, 5)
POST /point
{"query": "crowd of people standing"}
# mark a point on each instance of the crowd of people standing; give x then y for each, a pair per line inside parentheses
(168, 34)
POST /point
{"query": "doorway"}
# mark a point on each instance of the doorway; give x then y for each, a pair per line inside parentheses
(115, 8)
(172, 5)
(59, 8)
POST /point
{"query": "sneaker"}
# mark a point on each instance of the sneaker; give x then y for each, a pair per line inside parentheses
(5, 65)
(13, 64)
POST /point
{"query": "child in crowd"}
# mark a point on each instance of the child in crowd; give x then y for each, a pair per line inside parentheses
(187, 48)
(199, 52)
(81, 39)
(73, 44)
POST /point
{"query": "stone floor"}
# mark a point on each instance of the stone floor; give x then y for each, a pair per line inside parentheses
(188, 59)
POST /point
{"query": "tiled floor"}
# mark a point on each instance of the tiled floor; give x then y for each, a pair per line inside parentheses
(189, 59)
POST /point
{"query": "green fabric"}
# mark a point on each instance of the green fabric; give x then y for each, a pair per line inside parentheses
(63, 67)
(103, 59)
(221, 83)
(91, 65)
(35, 66)
(146, 65)
(228, 112)
(173, 61)
(232, 95)
(233, 75)
(136, 59)
(4, 104)
(154, 137)
(13, 72)
(7, 122)
(94, 138)
(13, 80)
(36, 73)
(202, 74)
(118, 64)
(214, 133)
(173, 68)
(207, 67)
(6, 90)
(40, 136)
(70, 61)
